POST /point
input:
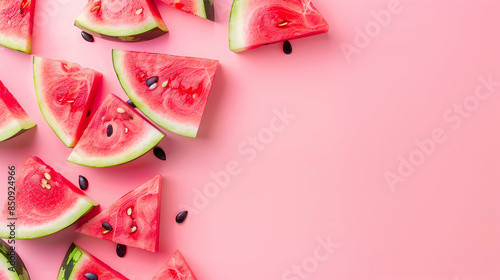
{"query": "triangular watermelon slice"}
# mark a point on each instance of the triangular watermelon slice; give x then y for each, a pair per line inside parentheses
(176, 268)
(11, 265)
(13, 118)
(254, 23)
(78, 264)
(16, 24)
(134, 218)
(115, 135)
(65, 92)
(201, 8)
(45, 202)
(122, 20)
(177, 98)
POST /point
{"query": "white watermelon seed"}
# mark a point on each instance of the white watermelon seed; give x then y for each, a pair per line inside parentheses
(120, 110)
(164, 84)
(47, 186)
(47, 176)
(95, 8)
(105, 231)
(283, 23)
(129, 211)
(153, 86)
(126, 130)
(138, 12)
(134, 229)
(44, 182)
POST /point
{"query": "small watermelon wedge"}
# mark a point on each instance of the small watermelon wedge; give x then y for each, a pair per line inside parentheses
(13, 118)
(65, 92)
(45, 202)
(177, 98)
(115, 135)
(16, 24)
(201, 8)
(254, 23)
(78, 264)
(122, 20)
(11, 265)
(176, 268)
(134, 218)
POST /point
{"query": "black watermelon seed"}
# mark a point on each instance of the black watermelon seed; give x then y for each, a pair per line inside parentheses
(131, 104)
(91, 276)
(151, 81)
(159, 153)
(109, 130)
(88, 113)
(287, 47)
(106, 226)
(87, 37)
(84, 184)
(181, 217)
(121, 250)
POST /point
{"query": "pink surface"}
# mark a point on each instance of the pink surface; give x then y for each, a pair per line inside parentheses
(320, 175)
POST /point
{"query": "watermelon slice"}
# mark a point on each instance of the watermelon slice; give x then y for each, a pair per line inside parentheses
(13, 118)
(177, 99)
(45, 202)
(79, 262)
(122, 20)
(11, 265)
(65, 92)
(254, 23)
(134, 218)
(201, 8)
(115, 135)
(16, 24)
(176, 268)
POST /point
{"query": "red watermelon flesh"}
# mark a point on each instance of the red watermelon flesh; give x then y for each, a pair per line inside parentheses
(65, 92)
(46, 202)
(254, 23)
(176, 268)
(13, 118)
(201, 8)
(122, 20)
(141, 228)
(115, 135)
(184, 83)
(16, 24)
(78, 262)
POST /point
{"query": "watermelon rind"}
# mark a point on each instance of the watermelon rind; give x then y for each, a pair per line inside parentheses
(19, 272)
(237, 25)
(16, 127)
(150, 29)
(13, 41)
(208, 10)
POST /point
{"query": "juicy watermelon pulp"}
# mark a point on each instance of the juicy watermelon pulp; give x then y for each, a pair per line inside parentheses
(178, 101)
(115, 135)
(122, 20)
(254, 23)
(46, 202)
(141, 228)
(13, 118)
(201, 8)
(65, 92)
(16, 24)
(176, 268)
(77, 262)
(8, 271)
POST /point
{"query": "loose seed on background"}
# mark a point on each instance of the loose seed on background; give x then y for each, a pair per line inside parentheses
(151, 81)
(181, 217)
(159, 153)
(109, 130)
(287, 47)
(121, 250)
(82, 181)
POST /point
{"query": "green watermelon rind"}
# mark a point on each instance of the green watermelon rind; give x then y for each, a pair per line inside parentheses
(16, 127)
(18, 45)
(175, 127)
(20, 272)
(236, 26)
(82, 207)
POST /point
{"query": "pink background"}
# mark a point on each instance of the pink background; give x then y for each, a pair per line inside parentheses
(323, 174)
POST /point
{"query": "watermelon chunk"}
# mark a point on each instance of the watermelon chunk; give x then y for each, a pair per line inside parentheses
(78, 262)
(134, 218)
(182, 88)
(122, 20)
(11, 265)
(13, 118)
(115, 135)
(254, 23)
(65, 92)
(201, 8)
(176, 268)
(45, 202)
(16, 24)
